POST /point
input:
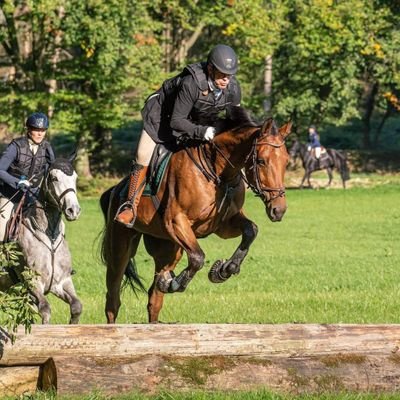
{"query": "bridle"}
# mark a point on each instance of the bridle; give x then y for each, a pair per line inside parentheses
(258, 188)
(265, 192)
(56, 200)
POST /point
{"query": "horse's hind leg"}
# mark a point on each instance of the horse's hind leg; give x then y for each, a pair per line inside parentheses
(166, 255)
(123, 245)
(237, 225)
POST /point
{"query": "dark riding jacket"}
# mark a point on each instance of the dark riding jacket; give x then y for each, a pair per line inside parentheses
(186, 105)
(18, 160)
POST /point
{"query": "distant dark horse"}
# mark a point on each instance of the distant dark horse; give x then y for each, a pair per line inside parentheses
(202, 192)
(328, 160)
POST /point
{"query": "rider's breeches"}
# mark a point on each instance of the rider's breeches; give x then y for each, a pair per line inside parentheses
(145, 149)
(318, 152)
(6, 208)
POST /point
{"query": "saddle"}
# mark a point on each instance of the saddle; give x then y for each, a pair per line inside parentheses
(158, 164)
(323, 152)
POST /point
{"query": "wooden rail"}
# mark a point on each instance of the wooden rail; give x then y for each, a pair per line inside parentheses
(287, 358)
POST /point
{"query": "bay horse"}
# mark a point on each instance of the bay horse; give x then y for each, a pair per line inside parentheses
(202, 193)
(329, 160)
(41, 238)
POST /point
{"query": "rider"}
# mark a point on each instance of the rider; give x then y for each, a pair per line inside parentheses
(314, 143)
(22, 166)
(185, 108)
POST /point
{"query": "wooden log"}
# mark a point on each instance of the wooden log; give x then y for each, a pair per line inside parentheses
(288, 358)
(26, 379)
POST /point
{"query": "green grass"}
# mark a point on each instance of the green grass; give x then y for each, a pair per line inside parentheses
(333, 259)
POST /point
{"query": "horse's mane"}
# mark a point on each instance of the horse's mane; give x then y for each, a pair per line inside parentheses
(64, 165)
(238, 117)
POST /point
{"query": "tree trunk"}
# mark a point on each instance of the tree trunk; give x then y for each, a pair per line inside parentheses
(267, 83)
(82, 164)
(368, 99)
(100, 159)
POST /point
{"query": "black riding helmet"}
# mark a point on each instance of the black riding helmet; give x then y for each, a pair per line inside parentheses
(37, 120)
(224, 59)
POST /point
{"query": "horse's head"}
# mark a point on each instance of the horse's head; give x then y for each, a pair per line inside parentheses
(265, 168)
(60, 188)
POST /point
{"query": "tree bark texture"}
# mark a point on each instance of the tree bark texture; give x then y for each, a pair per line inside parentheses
(214, 357)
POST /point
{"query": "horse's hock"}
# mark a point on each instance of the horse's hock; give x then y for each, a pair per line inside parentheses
(112, 359)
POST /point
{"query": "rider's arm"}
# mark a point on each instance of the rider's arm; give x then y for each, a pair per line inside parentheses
(185, 100)
(6, 160)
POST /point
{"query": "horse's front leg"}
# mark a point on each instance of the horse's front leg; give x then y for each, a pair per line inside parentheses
(42, 304)
(182, 234)
(330, 175)
(239, 224)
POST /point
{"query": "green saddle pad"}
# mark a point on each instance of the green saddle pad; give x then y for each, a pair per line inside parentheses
(152, 187)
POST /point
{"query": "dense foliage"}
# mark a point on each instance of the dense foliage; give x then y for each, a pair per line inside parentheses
(91, 64)
(16, 304)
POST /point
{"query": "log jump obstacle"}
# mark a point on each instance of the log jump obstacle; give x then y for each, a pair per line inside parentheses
(296, 358)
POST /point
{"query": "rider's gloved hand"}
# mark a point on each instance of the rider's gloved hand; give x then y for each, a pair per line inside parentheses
(24, 185)
(210, 133)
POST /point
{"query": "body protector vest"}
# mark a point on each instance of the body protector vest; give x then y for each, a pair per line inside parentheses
(206, 109)
(32, 166)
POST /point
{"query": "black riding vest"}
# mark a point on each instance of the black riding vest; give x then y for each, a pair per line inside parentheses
(206, 110)
(32, 166)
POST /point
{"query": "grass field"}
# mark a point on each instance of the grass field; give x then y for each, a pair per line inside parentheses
(334, 258)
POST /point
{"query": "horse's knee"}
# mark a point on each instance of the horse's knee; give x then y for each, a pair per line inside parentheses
(76, 311)
(44, 311)
(197, 260)
(251, 230)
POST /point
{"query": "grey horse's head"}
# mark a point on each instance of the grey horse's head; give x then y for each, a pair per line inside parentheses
(61, 188)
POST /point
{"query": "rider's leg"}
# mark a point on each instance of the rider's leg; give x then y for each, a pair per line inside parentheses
(137, 181)
(318, 156)
(6, 208)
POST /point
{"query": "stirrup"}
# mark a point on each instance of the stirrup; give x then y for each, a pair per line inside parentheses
(123, 207)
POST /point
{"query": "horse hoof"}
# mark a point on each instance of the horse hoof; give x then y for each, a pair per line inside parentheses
(164, 281)
(214, 274)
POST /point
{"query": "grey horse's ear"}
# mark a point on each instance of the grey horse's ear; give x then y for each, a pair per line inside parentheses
(73, 155)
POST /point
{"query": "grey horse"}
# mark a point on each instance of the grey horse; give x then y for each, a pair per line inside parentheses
(41, 238)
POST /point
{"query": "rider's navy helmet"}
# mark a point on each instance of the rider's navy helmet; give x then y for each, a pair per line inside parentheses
(37, 120)
(224, 59)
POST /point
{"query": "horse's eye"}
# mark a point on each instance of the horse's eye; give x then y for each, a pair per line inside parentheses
(53, 179)
(260, 161)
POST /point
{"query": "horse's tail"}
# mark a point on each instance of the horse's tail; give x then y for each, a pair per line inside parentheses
(340, 162)
(131, 276)
(105, 202)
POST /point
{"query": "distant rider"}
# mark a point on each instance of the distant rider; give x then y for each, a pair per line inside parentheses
(313, 141)
(22, 167)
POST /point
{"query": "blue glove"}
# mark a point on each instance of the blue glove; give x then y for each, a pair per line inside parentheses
(24, 185)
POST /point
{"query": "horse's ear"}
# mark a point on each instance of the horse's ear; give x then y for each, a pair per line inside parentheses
(267, 125)
(285, 130)
(73, 155)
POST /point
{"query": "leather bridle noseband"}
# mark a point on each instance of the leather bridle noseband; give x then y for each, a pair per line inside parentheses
(259, 189)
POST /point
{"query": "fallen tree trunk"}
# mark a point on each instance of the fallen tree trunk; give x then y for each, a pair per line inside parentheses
(289, 358)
